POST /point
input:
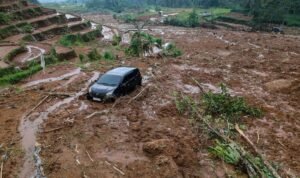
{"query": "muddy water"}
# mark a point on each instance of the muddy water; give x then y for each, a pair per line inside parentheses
(28, 129)
(52, 79)
(31, 55)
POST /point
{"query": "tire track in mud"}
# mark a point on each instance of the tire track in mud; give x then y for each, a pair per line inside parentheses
(29, 128)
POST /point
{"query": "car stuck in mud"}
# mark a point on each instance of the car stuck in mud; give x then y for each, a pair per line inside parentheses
(115, 83)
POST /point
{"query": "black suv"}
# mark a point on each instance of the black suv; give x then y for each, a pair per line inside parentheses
(115, 83)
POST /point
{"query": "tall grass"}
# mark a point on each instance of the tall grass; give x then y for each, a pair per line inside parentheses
(17, 76)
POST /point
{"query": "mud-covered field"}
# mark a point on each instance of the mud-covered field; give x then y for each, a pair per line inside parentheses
(48, 125)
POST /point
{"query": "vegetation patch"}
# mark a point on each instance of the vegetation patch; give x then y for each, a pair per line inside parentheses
(8, 71)
(71, 40)
(13, 75)
(172, 50)
(108, 55)
(191, 20)
(225, 106)
(233, 153)
(5, 18)
(78, 39)
(116, 40)
(19, 75)
(142, 43)
(94, 55)
(225, 148)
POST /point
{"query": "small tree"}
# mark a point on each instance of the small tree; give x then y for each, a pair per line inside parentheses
(193, 19)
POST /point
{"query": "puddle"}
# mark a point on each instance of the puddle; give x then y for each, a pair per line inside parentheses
(28, 129)
(53, 79)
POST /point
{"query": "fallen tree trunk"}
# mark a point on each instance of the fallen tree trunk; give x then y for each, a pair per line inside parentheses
(253, 169)
(270, 167)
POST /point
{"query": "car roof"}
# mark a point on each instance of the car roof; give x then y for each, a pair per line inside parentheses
(121, 71)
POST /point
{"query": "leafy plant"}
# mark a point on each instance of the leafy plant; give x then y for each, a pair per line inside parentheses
(235, 154)
(94, 55)
(108, 55)
(116, 40)
(19, 75)
(227, 152)
(186, 104)
(142, 43)
(81, 57)
(71, 40)
(172, 50)
(183, 20)
(5, 18)
(27, 28)
(78, 39)
(224, 105)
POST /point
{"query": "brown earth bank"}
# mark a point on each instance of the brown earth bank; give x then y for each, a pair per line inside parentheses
(145, 136)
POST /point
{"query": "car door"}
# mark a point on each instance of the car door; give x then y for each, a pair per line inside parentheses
(125, 85)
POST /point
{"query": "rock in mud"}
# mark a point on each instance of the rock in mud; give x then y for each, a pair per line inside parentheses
(161, 146)
(279, 85)
(167, 166)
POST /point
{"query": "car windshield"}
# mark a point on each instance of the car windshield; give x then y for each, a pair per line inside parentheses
(109, 80)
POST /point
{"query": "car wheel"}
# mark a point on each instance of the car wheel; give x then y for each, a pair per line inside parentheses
(88, 96)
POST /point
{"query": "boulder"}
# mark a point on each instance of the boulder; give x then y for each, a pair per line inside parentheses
(161, 146)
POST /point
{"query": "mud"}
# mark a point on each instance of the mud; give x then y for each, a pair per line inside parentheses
(147, 137)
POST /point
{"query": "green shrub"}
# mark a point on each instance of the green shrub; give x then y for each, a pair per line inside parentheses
(142, 43)
(108, 55)
(77, 40)
(90, 36)
(19, 75)
(224, 105)
(116, 40)
(127, 18)
(186, 104)
(8, 31)
(27, 28)
(191, 20)
(70, 40)
(94, 55)
(226, 152)
(8, 70)
(172, 50)
(81, 58)
(5, 18)
(52, 57)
